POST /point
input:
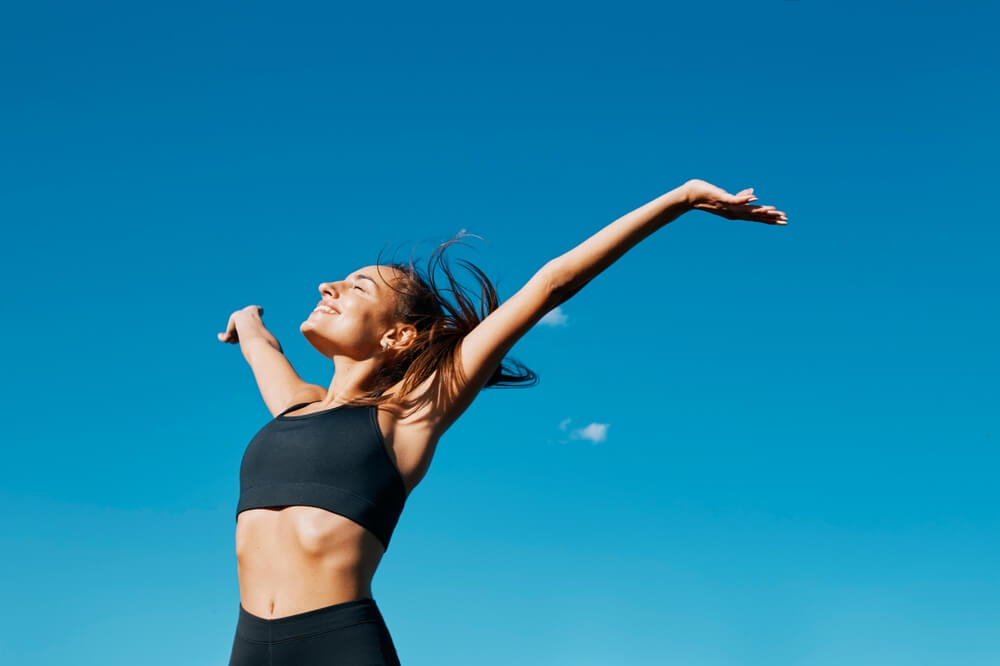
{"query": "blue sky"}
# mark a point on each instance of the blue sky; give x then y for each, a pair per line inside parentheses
(797, 426)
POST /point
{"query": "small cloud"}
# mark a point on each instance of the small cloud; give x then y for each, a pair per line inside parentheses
(554, 317)
(595, 432)
(564, 424)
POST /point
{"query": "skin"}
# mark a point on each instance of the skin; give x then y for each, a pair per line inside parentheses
(298, 558)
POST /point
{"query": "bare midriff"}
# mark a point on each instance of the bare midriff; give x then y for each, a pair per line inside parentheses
(299, 558)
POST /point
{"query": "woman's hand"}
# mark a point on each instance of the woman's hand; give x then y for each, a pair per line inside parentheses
(708, 197)
(230, 334)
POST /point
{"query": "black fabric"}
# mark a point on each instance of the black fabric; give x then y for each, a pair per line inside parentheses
(352, 633)
(334, 459)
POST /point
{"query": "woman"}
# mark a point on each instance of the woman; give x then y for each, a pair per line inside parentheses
(323, 484)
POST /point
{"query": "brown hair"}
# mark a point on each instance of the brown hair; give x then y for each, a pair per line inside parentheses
(440, 325)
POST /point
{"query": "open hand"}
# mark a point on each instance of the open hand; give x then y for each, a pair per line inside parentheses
(708, 197)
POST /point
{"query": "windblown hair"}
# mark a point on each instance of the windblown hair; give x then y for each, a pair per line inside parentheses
(440, 325)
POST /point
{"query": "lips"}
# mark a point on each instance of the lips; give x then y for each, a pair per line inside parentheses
(326, 308)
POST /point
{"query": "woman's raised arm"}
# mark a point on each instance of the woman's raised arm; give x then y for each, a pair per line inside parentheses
(576, 268)
(279, 384)
(482, 349)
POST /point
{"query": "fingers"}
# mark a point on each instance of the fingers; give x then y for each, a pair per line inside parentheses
(229, 335)
(739, 206)
(772, 216)
(767, 214)
(768, 210)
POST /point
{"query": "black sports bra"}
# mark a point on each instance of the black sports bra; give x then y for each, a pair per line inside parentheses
(334, 459)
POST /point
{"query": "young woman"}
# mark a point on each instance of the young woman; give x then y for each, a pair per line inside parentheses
(323, 484)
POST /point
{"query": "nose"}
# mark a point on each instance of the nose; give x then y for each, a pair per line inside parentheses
(329, 288)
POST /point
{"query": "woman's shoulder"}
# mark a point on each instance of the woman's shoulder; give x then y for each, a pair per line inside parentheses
(417, 409)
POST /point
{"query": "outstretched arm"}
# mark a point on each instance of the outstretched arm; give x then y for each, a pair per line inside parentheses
(483, 348)
(574, 269)
(279, 384)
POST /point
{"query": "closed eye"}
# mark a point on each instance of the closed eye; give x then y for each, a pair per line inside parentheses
(358, 287)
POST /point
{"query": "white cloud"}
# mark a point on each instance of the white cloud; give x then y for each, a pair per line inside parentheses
(555, 317)
(595, 432)
(564, 424)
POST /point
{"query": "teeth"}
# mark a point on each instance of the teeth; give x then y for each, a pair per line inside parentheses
(325, 309)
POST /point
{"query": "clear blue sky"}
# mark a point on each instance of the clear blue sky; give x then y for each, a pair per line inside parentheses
(800, 454)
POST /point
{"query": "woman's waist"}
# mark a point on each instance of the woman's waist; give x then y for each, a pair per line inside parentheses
(311, 621)
(272, 598)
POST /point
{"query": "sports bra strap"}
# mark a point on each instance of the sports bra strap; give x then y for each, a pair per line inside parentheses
(303, 404)
(294, 407)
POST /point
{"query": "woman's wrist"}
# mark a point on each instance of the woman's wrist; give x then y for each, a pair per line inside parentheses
(689, 193)
(249, 325)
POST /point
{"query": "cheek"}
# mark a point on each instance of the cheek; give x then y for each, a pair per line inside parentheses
(358, 326)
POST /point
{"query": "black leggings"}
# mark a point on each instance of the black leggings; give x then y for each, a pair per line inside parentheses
(352, 633)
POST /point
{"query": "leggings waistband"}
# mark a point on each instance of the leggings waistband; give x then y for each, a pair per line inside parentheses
(328, 618)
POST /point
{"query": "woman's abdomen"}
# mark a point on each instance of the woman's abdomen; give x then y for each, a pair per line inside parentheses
(294, 559)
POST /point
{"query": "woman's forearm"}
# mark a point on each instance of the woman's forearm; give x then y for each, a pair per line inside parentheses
(569, 272)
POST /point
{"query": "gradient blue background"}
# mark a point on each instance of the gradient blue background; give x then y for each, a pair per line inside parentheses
(801, 448)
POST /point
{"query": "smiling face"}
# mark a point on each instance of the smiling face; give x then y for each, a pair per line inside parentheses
(355, 317)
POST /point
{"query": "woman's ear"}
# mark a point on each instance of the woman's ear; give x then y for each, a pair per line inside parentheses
(400, 338)
(407, 336)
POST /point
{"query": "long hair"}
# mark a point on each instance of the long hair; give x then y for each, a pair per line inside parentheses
(441, 324)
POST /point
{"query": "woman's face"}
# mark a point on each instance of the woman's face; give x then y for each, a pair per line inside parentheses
(353, 315)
